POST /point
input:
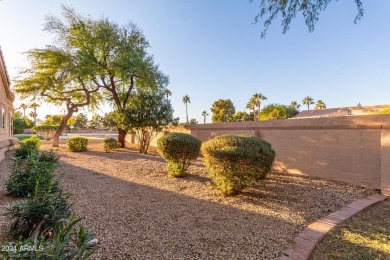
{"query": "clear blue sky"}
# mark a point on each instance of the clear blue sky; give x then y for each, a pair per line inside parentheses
(212, 50)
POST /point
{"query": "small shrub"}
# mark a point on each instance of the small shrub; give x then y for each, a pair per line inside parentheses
(178, 149)
(49, 157)
(110, 144)
(28, 147)
(40, 213)
(47, 131)
(77, 144)
(69, 241)
(30, 176)
(235, 161)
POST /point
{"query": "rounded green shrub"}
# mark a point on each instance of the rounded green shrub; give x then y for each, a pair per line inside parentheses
(47, 131)
(237, 161)
(77, 144)
(110, 144)
(178, 149)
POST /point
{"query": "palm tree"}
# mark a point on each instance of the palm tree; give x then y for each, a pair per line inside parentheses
(320, 104)
(204, 114)
(167, 93)
(257, 98)
(34, 116)
(308, 101)
(252, 107)
(34, 106)
(295, 105)
(186, 100)
(24, 107)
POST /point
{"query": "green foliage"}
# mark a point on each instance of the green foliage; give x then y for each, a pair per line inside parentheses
(28, 147)
(223, 111)
(68, 242)
(81, 121)
(236, 161)
(32, 175)
(19, 123)
(242, 116)
(193, 121)
(47, 131)
(43, 211)
(147, 114)
(109, 120)
(308, 101)
(53, 120)
(277, 111)
(385, 111)
(110, 144)
(77, 144)
(289, 9)
(49, 157)
(179, 150)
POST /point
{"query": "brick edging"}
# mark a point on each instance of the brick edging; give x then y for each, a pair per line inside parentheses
(306, 241)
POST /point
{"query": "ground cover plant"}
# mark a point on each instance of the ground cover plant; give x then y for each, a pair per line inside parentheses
(235, 162)
(77, 144)
(179, 150)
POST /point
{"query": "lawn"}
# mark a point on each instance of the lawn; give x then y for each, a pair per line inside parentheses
(365, 236)
(137, 211)
(22, 137)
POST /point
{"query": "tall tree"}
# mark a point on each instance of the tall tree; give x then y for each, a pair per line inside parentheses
(320, 105)
(81, 121)
(308, 101)
(288, 9)
(295, 105)
(167, 93)
(114, 57)
(147, 113)
(34, 106)
(186, 100)
(204, 114)
(54, 76)
(223, 111)
(24, 107)
(255, 102)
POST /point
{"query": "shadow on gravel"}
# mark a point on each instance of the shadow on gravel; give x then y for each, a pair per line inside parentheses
(137, 221)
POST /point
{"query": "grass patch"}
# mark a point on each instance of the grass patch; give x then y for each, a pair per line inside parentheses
(365, 236)
(23, 137)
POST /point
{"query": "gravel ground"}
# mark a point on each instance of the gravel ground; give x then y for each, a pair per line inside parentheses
(137, 211)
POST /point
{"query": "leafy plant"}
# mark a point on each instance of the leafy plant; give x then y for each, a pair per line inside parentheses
(40, 213)
(49, 157)
(179, 149)
(237, 161)
(77, 144)
(47, 131)
(28, 147)
(31, 175)
(110, 144)
(70, 241)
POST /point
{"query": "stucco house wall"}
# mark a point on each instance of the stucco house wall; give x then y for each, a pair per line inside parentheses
(6, 109)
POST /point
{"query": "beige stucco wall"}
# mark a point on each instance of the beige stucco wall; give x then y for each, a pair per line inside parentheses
(6, 140)
(354, 149)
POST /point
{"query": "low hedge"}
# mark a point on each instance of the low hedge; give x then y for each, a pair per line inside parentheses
(178, 149)
(77, 144)
(237, 161)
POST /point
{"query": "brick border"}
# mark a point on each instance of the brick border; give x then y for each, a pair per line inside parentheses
(306, 241)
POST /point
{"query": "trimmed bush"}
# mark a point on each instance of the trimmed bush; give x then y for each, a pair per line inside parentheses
(178, 149)
(47, 131)
(33, 141)
(237, 161)
(110, 144)
(77, 144)
(31, 176)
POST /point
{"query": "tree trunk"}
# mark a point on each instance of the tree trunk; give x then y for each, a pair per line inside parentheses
(187, 113)
(64, 121)
(122, 137)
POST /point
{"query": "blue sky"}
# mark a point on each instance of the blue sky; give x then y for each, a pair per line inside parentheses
(212, 49)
